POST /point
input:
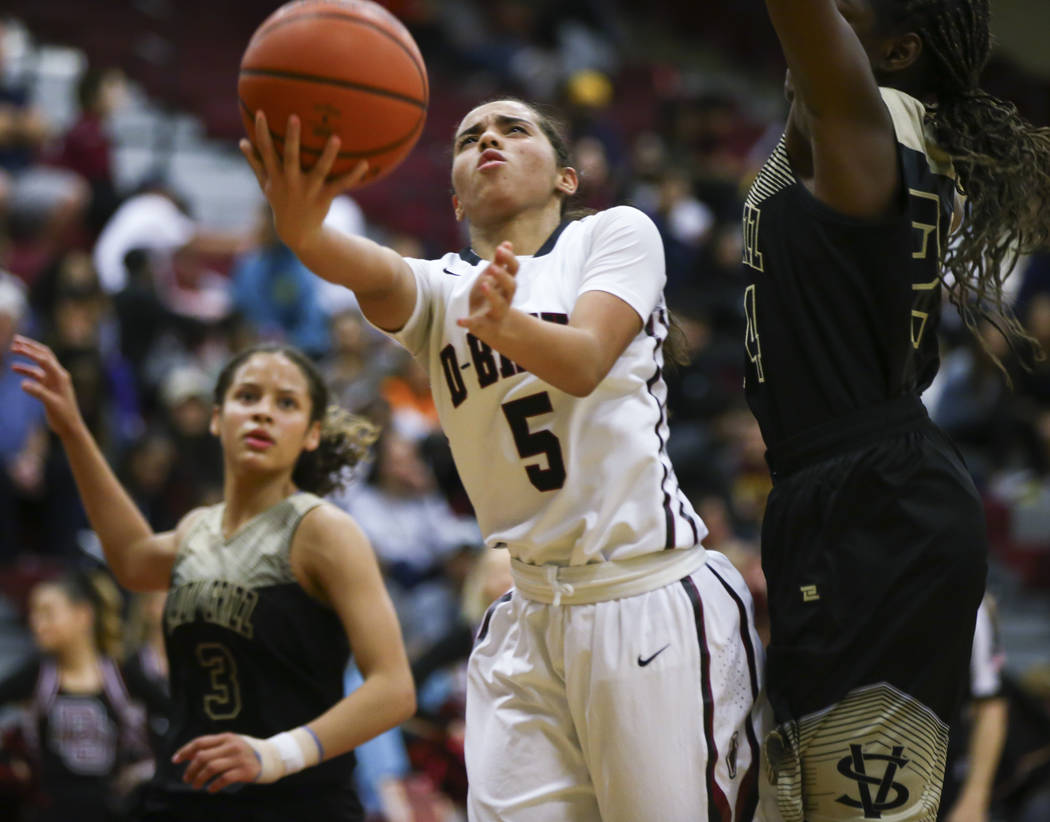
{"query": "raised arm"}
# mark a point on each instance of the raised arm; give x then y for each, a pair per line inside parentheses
(139, 559)
(842, 115)
(382, 282)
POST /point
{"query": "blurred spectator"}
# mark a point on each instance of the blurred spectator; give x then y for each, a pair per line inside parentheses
(197, 473)
(278, 294)
(415, 535)
(23, 434)
(87, 740)
(86, 148)
(435, 737)
(977, 737)
(357, 363)
(155, 220)
(971, 403)
(149, 476)
(407, 392)
(42, 205)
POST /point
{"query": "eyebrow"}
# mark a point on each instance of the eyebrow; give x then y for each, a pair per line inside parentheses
(501, 120)
(253, 384)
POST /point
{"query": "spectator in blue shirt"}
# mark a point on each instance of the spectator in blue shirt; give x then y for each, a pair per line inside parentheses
(278, 295)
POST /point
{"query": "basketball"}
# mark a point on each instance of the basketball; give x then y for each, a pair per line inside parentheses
(345, 67)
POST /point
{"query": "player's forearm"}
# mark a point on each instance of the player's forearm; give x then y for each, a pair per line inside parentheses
(116, 520)
(986, 746)
(380, 279)
(383, 701)
(568, 358)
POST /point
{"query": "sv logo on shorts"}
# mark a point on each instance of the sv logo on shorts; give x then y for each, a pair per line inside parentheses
(854, 766)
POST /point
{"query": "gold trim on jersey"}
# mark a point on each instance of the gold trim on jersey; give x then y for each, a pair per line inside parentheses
(909, 122)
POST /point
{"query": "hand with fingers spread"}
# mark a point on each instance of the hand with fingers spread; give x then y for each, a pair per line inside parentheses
(299, 199)
(218, 760)
(49, 382)
(492, 294)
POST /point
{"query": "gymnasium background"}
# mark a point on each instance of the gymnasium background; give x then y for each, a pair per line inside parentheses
(672, 106)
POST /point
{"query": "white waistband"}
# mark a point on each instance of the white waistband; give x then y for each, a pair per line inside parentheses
(602, 581)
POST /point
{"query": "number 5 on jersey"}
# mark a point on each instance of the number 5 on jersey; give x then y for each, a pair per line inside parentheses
(536, 443)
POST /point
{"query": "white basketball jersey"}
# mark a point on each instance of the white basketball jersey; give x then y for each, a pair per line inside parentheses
(559, 479)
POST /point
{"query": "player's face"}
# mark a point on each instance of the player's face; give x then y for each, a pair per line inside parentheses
(502, 163)
(264, 420)
(55, 620)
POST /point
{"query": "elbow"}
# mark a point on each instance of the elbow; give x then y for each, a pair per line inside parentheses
(582, 379)
(582, 384)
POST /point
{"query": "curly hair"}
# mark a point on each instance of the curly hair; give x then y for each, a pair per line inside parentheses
(1002, 162)
(345, 438)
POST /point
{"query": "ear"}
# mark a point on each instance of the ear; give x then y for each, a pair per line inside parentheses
(901, 53)
(568, 181)
(313, 436)
(216, 415)
(457, 208)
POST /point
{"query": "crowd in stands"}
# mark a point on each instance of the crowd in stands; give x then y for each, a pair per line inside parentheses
(142, 303)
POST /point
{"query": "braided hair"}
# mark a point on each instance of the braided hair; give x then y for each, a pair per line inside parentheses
(1002, 161)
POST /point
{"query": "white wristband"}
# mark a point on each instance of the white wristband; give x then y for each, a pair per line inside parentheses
(286, 753)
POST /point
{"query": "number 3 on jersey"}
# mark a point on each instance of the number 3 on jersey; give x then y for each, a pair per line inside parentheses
(536, 443)
(751, 341)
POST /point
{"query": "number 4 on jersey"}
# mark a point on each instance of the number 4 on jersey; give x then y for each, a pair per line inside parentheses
(751, 341)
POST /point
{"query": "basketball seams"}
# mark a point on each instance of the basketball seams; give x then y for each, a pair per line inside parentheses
(353, 18)
(279, 138)
(329, 81)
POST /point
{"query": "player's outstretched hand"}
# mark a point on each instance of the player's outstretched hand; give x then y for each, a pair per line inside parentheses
(47, 381)
(299, 199)
(218, 760)
(492, 293)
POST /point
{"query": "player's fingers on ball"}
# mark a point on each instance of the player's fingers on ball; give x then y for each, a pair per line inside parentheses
(264, 144)
(319, 173)
(252, 156)
(291, 145)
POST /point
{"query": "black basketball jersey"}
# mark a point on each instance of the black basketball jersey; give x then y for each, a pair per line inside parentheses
(80, 741)
(842, 312)
(249, 651)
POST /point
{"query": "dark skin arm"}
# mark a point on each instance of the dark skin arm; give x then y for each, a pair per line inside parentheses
(840, 135)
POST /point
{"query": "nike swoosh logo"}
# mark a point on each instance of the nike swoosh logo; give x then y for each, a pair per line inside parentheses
(643, 662)
(453, 273)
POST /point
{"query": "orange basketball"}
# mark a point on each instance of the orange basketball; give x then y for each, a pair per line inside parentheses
(345, 67)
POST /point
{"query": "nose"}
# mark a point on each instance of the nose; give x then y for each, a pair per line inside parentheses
(489, 139)
(263, 410)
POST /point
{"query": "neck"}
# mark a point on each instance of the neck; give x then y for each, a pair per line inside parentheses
(526, 230)
(247, 497)
(80, 659)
